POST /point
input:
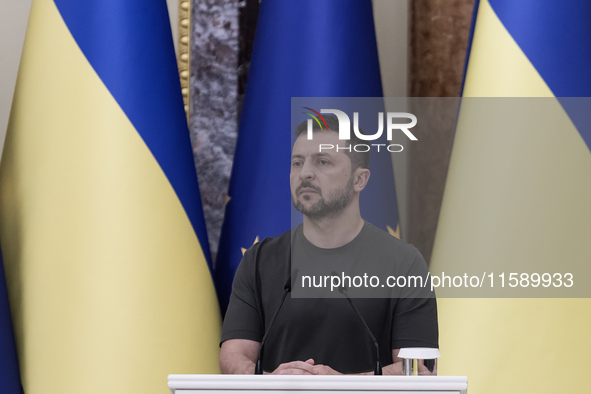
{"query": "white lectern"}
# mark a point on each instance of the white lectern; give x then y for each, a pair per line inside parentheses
(274, 384)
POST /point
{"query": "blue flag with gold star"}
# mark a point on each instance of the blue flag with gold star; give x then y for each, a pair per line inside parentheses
(302, 49)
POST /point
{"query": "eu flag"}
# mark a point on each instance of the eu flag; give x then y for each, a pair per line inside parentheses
(302, 49)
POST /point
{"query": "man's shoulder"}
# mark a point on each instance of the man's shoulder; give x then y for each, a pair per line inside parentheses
(277, 245)
(382, 239)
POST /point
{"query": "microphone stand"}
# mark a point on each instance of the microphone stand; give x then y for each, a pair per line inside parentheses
(258, 369)
(378, 370)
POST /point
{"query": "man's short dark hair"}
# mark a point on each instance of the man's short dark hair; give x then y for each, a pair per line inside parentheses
(358, 159)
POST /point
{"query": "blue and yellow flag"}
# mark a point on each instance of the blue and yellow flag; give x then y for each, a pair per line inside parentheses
(102, 231)
(517, 198)
(302, 49)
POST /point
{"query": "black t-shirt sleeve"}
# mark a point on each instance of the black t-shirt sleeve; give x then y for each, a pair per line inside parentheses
(242, 320)
(415, 318)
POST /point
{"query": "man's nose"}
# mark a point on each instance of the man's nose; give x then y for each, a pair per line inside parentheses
(307, 172)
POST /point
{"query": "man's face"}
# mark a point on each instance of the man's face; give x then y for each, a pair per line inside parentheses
(321, 182)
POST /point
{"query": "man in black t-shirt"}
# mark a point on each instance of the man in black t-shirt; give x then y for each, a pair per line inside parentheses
(317, 331)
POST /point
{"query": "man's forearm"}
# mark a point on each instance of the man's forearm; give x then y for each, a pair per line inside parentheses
(236, 364)
(396, 369)
(238, 356)
(393, 369)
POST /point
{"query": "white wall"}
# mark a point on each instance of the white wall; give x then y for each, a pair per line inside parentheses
(173, 12)
(391, 19)
(13, 23)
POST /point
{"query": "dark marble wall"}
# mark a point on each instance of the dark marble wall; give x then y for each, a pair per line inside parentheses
(222, 36)
(439, 31)
(249, 13)
(213, 114)
(438, 42)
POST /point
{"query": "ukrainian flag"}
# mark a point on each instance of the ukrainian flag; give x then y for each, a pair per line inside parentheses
(519, 197)
(102, 230)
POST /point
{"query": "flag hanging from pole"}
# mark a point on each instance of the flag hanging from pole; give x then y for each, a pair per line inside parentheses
(102, 231)
(517, 198)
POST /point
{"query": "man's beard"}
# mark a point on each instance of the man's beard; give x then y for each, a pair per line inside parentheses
(339, 200)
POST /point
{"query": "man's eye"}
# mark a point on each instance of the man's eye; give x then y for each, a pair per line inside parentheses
(296, 163)
(323, 162)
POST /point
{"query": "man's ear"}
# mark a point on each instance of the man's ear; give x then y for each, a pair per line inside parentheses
(360, 179)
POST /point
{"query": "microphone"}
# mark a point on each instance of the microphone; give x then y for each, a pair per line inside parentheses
(343, 291)
(258, 369)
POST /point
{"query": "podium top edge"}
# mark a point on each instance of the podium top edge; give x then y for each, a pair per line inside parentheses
(318, 377)
(318, 382)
